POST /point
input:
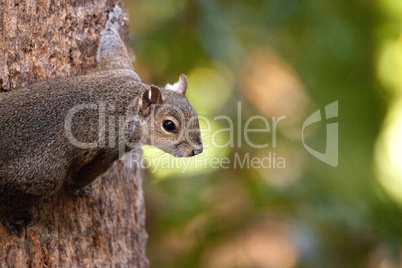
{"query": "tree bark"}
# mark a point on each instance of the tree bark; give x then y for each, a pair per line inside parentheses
(44, 39)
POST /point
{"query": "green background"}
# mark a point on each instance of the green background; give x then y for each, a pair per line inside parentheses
(290, 58)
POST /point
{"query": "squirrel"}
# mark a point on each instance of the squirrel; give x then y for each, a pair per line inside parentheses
(63, 133)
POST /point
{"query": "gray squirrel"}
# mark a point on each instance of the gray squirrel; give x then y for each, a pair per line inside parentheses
(63, 133)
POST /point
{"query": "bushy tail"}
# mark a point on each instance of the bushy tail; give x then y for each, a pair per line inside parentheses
(112, 52)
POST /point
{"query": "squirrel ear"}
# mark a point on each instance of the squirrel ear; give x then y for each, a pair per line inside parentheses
(180, 86)
(149, 97)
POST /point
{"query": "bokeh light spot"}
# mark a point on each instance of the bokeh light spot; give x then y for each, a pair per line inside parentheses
(209, 88)
(389, 154)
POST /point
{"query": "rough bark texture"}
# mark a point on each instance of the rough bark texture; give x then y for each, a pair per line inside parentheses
(44, 39)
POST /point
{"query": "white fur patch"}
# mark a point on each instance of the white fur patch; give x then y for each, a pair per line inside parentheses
(176, 87)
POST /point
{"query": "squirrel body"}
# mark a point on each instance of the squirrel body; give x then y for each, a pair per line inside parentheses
(65, 132)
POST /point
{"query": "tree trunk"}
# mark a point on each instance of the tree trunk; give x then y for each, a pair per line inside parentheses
(50, 38)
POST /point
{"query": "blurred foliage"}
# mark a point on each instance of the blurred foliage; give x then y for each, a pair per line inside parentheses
(276, 58)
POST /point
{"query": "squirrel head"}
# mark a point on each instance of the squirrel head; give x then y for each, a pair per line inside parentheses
(169, 121)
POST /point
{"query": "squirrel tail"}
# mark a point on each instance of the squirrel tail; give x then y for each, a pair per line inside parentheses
(112, 52)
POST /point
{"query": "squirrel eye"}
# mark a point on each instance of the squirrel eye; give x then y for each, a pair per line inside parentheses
(168, 125)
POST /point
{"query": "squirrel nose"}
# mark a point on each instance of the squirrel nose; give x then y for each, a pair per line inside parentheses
(196, 151)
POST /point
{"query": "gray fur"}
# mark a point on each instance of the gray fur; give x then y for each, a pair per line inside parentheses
(36, 157)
